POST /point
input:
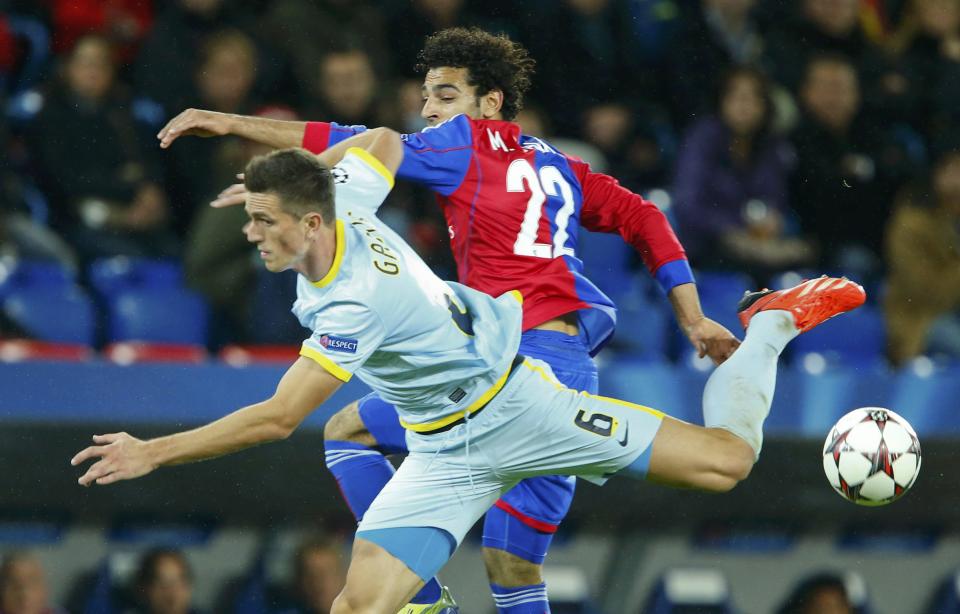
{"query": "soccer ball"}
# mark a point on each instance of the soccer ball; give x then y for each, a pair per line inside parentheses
(871, 456)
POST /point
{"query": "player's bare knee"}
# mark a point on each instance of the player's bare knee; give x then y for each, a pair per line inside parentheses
(733, 464)
(509, 570)
(345, 604)
(346, 425)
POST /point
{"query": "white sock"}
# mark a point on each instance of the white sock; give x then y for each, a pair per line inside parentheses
(738, 394)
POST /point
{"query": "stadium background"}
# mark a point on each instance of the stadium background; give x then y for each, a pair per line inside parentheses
(129, 304)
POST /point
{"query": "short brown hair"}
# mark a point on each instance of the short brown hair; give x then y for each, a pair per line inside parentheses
(301, 182)
(492, 62)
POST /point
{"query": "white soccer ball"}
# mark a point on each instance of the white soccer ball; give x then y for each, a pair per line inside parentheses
(871, 456)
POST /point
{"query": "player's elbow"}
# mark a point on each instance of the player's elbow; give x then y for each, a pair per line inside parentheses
(278, 423)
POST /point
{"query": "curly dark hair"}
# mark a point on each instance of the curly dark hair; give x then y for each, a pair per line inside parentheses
(492, 62)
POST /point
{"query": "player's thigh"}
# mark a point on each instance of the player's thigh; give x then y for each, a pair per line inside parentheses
(369, 421)
(692, 456)
(548, 428)
(377, 581)
(436, 490)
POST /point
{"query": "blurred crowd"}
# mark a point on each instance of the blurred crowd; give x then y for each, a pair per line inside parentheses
(811, 135)
(163, 581)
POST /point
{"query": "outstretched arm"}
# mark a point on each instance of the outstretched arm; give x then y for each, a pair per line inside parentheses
(609, 207)
(304, 387)
(382, 143)
(198, 122)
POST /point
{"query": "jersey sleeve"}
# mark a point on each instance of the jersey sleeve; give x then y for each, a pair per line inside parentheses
(609, 207)
(361, 181)
(439, 157)
(320, 136)
(345, 335)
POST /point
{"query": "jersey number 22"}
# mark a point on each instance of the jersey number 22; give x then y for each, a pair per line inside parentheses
(521, 177)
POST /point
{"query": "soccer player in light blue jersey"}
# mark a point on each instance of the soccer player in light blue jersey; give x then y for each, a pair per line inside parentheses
(479, 415)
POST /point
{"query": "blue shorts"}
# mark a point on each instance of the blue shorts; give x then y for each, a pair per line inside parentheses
(539, 503)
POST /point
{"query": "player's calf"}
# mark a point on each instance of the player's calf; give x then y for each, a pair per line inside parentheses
(506, 569)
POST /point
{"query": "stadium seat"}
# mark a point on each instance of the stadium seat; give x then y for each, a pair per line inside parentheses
(946, 600)
(158, 315)
(569, 590)
(131, 352)
(926, 394)
(110, 276)
(19, 350)
(33, 274)
(642, 329)
(855, 338)
(606, 261)
(54, 313)
(243, 355)
(690, 590)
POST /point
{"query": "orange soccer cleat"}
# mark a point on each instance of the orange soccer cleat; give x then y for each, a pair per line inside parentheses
(812, 302)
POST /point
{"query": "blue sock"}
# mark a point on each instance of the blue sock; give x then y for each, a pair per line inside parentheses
(362, 473)
(521, 599)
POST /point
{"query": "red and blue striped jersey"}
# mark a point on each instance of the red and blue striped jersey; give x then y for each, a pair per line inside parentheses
(514, 206)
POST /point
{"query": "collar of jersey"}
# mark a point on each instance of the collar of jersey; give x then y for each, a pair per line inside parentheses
(337, 258)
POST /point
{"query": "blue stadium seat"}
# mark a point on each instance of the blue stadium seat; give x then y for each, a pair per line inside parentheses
(158, 315)
(947, 598)
(642, 328)
(690, 590)
(110, 276)
(32, 274)
(854, 338)
(926, 395)
(606, 261)
(56, 313)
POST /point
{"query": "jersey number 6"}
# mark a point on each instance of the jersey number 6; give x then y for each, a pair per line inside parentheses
(596, 423)
(521, 176)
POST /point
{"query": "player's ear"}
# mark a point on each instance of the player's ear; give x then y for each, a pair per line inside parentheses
(314, 221)
(491, 103)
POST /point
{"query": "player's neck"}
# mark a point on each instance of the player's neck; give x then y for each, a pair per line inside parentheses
(319, 260)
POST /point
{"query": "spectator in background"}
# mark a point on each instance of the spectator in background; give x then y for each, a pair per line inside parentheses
(834, 27)
(844, 175)
(820, 594)
(164, 583)
(712, 39)
(588, 43)
(347, 91)
(162, 70)
(220, 263)
(124, 22)
(21, 234)
(636, 145)
(224, 73)
(928, 41)
(23, 586)
(415, 20)
(731, 187)
(318, 576)
(334, 24)
(922, 303)
(93, 158)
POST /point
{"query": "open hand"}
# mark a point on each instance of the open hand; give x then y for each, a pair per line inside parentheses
(194, 122)
(234, 195)
(712, 339)
(122, 457)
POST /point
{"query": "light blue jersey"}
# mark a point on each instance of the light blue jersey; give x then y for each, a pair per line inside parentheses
(433, 349)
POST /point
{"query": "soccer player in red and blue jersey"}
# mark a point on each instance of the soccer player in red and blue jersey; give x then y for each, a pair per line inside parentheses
(514, 206)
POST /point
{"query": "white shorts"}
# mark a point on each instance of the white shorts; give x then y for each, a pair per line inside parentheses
(534, 426)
